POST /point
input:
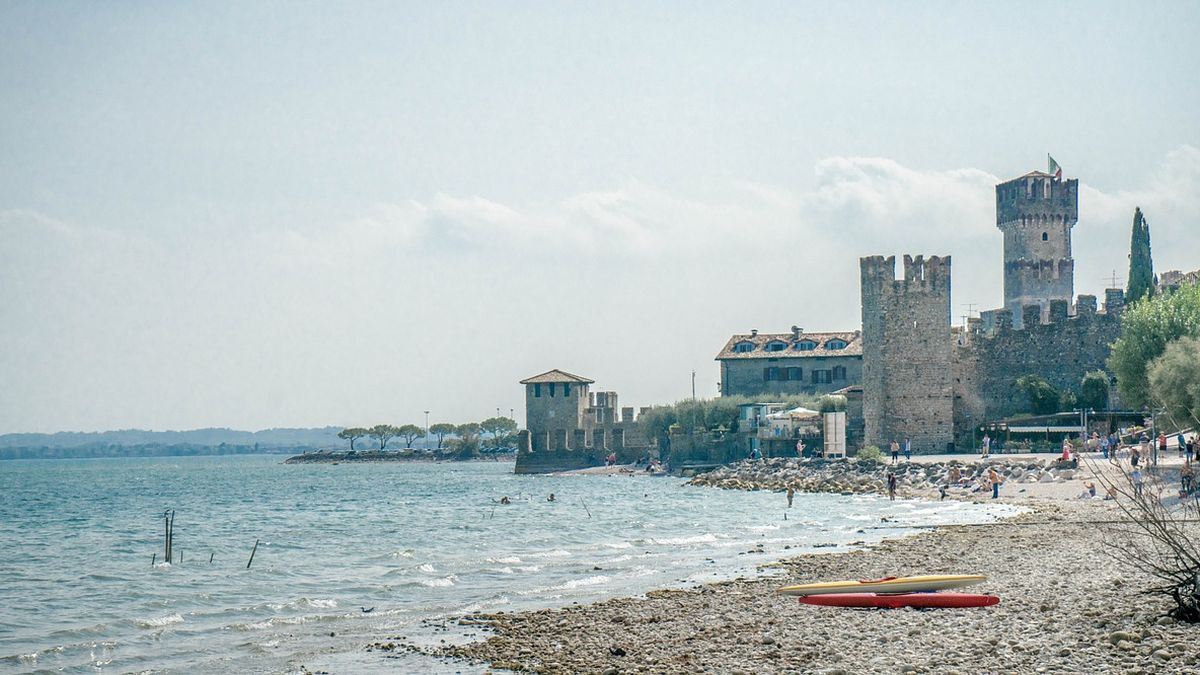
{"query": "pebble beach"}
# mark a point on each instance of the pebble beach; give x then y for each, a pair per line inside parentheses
(1066, 607)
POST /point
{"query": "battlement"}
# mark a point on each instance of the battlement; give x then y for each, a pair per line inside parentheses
(1037, 199)
(1032, 315)
(920, 274)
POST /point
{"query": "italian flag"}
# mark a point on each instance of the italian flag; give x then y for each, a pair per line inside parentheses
(1054, 167)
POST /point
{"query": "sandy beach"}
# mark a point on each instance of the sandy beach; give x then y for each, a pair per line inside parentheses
(1066, 606)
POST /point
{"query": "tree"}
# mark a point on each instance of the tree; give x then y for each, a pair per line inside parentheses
(410, 433)
(1175, 382)
(468, 434)
(1141, 267)
(382, 433)
(442, 430)
(497, 426)
(1043, 398)
(1146, 328)
(1093, 390)
(351, 434)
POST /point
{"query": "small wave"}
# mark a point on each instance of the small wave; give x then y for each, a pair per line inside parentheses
(617, 544)
(407, 553)
(426, 568)
(507, 560)
(318, 603)
(762, 528)
(443, 582)
(159, 622)
(529, 568)
(586, 581)
(556, 553)
(706, 538)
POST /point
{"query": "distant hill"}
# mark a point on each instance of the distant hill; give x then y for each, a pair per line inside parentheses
(141, 443)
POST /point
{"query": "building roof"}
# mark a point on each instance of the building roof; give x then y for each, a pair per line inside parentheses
(556, 376)
(853, 347)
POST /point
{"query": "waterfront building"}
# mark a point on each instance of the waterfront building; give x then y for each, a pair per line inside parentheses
(797, 363)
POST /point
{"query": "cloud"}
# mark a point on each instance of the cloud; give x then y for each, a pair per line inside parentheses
(444, 303)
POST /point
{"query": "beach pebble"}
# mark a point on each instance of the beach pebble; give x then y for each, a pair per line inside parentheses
(1118, 636)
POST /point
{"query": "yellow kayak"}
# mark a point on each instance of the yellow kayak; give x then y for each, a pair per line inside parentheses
(929, 582)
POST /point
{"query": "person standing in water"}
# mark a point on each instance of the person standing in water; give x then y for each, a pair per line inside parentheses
(791, 493)
(891, 483)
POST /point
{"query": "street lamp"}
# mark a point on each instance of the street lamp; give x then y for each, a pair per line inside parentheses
(426, 429)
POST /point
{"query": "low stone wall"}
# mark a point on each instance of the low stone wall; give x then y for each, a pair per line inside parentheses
(853, 476)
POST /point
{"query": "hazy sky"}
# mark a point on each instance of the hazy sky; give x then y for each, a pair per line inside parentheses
(285, 214)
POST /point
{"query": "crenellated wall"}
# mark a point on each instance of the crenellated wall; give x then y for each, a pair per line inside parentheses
(907, 352)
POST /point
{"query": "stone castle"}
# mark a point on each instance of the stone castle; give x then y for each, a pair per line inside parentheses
(920, 377)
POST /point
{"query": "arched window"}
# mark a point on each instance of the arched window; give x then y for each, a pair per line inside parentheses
(743, 347)
(1045, 237)
(836, 343)
(805, 346)
(776, 346)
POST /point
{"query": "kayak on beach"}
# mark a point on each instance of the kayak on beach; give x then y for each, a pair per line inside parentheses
(897, 600)
(917, 584)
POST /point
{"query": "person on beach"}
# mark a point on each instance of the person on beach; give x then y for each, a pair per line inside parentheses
(891, 482)
(1104, 447)
(1162, 444)
(1182, 443)
(994, 478)
(955, 476)
(1136, 477)
(791, 494)
(987, 445)
(908, 449)
(1186, 476)
(942, 491)
(1091, 489)
(1191, 449)
(1134, 455)
(895, 447)
(1066, 451)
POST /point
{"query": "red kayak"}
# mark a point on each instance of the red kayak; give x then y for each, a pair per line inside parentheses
(897, 600)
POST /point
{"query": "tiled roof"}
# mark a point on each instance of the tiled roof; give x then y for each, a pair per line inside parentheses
(853, 347)
(557, 376)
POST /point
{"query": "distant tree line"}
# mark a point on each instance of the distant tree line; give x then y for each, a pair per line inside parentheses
(492, 435)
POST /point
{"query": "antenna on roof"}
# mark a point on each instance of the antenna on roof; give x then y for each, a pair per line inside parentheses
(1112, 280)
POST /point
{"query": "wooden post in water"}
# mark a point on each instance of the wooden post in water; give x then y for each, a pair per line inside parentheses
(252, 554)
(210, 557)
(171, 536)
(153, 558)
(166, 537)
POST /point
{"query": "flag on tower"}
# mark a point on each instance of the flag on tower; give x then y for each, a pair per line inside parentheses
(1054, 167)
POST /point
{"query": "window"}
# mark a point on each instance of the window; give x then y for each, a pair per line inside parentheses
(1045, 237)
(822, 376)
(776, 346)
(566, 388)
(744, 347)
(839, 373)
(771, 374)
(805, 346)
(537, 390)
(794, 374)
(552, 389)
(836, 343)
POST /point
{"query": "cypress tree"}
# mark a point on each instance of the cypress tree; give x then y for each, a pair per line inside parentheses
(1141, 267)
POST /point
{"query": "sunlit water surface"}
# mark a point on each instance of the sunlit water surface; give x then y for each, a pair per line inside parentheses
(412, 541)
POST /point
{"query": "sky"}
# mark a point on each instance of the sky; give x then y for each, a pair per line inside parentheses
(272, 214)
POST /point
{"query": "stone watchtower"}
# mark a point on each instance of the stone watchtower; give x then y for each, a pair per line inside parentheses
(556, 404)
(1036, 213)
(907, 350)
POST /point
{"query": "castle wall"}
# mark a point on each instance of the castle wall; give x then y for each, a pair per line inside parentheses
(1061, 352)
(546, 415)
(907, 353)
(745, 377)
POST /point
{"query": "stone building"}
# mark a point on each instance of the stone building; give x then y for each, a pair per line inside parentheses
(568, 426)
(765, 364)
(924, 380)
(907, 373)
(1036, 213)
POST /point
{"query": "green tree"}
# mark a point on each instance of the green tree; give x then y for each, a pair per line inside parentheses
(382, 433)
(1175, 382)
(468, 435)
(1141, 267)
(351, 434)
(442, 430)
(1093, 390)
(498, 427)
(1146, 329)
(1043, 398)
(410, 433)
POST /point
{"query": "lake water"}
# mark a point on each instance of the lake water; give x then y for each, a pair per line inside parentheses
(413, 541)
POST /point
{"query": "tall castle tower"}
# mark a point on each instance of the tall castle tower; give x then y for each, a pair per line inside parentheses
(1036, 213)
(908, 383)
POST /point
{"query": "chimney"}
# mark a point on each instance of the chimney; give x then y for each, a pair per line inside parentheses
(796, 332)
(753, 332)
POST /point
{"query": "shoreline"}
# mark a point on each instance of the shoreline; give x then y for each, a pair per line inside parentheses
(1065, 606)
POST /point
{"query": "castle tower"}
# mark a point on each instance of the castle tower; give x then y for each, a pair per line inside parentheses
(907, 350)
(556, 404)
(1036, 213)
